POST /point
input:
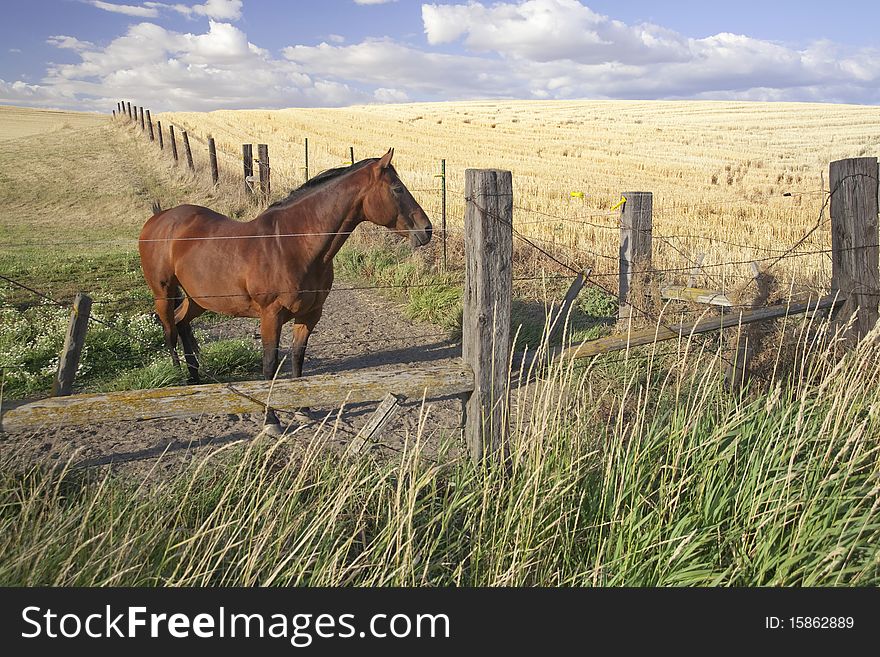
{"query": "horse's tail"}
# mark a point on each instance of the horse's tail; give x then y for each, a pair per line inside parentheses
(157, 207)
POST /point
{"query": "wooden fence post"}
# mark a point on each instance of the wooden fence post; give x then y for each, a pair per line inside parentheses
(73, 344)
(263, 162)
(114, 115)
(307, 159)
(351, 154)
(247, 157)
(129, 110)
(159, 130)
(173, 143)
(142, 118)
(635, 244)
(189, 155)
(488, 287)
(150, 125)
(854, 239)
(212, 156)
(443, 208)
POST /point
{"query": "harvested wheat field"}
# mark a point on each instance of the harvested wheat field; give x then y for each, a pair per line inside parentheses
(18, 122)
(721, 172)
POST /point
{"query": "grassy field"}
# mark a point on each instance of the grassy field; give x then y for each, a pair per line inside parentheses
(718, 170)
(18, 122)
(630, 469)
(74, 193)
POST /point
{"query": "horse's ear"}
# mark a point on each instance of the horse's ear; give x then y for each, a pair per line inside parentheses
(386, 159)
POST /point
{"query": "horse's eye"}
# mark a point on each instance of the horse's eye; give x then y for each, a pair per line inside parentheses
(397, 190)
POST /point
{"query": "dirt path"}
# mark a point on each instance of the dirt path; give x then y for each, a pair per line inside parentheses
(358, 331)
(112, 190)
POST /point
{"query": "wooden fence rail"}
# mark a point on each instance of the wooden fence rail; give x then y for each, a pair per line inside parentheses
(320, 391)
(660, 333)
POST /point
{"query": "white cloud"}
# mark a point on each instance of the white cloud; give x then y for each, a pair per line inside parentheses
(384, 95)
(15, 50)
(525, 49)
(566, 50)
(166, 70)
(387, 64)
(222, 10)
(69, 43)
(373, 2)
(129, 10)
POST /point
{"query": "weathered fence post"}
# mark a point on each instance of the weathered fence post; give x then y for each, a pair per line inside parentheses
(745, 342)
(114, 115)
(559, 318)
(635, 245)
(307, 159)
(263, 162)
(173, 143)
(443, 208)
(142, 118)
(488, 285)
(129, 110)
(854, 239)
(150, 125)
(247, 157)
(189, 155)
(351, 154)
(212, 156)
(159, 130)
(73, 344)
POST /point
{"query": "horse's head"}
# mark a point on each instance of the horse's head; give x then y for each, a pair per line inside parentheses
(389, 203)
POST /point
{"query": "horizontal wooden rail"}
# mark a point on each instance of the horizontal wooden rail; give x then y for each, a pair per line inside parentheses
(320, 391)
(695, 294)
(653, 334)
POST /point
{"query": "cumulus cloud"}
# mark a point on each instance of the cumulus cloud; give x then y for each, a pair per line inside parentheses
(566, 50)
(174, 70)
(391, 65)
(509, 49)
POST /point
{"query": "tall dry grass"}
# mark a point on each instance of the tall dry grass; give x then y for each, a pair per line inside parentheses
(658, 479)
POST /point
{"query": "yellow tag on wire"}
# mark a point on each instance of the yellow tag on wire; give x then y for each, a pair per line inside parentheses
(577, 194)
(619, 203)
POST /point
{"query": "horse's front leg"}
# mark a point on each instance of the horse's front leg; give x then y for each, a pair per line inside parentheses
(302, 329)
(271, 321)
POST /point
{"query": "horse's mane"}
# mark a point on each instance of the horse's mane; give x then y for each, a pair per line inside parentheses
(319, 180)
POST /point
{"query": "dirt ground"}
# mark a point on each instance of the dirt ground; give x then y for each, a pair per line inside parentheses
(358, 331)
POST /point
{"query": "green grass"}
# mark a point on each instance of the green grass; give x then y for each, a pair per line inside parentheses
(674, 484)
(436, 297)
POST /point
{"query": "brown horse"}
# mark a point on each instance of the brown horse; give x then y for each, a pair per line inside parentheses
(277, 267)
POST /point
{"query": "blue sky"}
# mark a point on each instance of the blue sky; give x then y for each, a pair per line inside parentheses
(86, 54)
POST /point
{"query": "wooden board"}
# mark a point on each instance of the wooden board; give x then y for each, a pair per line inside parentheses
(695, 294)
(321, 391)
(653, 334)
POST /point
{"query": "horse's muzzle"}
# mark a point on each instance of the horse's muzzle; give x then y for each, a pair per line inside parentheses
(421, 236)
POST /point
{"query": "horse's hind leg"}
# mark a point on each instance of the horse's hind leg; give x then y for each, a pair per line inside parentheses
(190, 351)
(186, 312)
(166, 299)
